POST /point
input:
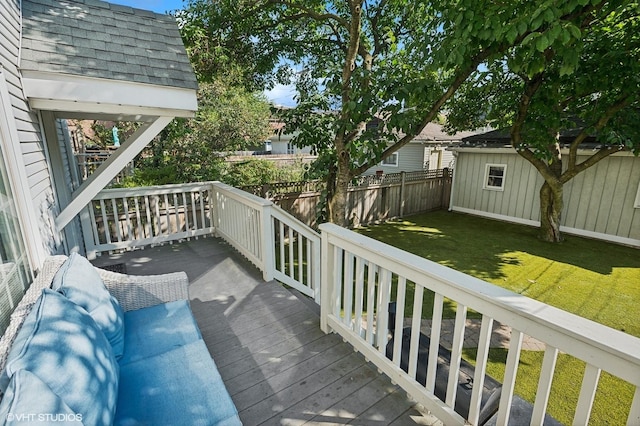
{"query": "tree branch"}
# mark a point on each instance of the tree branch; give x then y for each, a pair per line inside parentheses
(433, 111)
(574, 168)
(310, 13)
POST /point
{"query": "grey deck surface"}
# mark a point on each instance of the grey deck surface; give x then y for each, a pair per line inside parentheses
(277, 364)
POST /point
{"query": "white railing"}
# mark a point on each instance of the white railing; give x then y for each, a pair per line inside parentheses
(360, 276)
(125, 218)
(277, 243)
(281, 246)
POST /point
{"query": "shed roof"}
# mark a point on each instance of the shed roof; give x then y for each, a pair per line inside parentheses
(435, 132)
(93, 38)
(502, 137)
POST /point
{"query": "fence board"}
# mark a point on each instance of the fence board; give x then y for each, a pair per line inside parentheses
(371, 199)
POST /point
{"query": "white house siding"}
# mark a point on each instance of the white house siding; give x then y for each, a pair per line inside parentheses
(28, 128)
(597, 203)
(410, 159)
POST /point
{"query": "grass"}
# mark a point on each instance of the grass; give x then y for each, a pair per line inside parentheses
(593, 279)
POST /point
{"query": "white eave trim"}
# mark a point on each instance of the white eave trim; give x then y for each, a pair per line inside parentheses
(72, 93)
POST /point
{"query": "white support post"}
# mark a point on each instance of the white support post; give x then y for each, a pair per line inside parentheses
(587, 395)
(316, 266)
(511, 370)
(268, 244)
(88, 224)
(109, 169)
(326, 287)
(634, 413)
(544, 385)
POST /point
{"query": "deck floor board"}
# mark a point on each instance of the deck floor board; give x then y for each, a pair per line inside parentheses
(279, 368)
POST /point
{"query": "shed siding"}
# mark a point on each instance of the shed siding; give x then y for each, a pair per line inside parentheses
(599, 200)
(28, 127)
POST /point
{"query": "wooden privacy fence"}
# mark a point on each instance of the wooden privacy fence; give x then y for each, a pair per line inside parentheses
(371, 198)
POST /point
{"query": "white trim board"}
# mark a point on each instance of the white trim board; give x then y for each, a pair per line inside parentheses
(64, 92)
(109, 169)
(18, 179)
(536, 223)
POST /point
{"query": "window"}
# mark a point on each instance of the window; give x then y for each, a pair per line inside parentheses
(15, 272)
(14, 278)
(494, 175)
(636, 204)
(391, 160)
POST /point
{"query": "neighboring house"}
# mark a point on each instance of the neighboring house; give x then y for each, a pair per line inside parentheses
(427, 151)
(281, 142)
(74, 60)
(492, 180)
(278, 143)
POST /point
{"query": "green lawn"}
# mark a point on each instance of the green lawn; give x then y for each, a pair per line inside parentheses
(593, 279)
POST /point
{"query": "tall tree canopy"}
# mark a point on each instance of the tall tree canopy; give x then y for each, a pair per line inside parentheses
(229, 118)
(580, 74)
(372, 74)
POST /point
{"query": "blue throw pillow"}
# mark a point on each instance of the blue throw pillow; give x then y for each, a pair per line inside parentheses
(30, 401)
(79, 281)
(64, 347)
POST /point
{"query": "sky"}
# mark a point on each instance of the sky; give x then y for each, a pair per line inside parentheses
(279, 95)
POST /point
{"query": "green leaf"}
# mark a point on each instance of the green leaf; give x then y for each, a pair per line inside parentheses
(536, 66)
(522, 27)
(512, 34)
(575, 31)
(542, 43)
(554, 33)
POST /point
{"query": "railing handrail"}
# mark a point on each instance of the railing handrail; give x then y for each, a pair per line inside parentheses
(109, 193)
(238, 194)
(301, 227)
(566, 331)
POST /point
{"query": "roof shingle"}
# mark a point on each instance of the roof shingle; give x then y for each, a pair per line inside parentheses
(99, 39)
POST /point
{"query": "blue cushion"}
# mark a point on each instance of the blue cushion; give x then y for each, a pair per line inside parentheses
(179, 387)
(79, 281)
(62, 345)
(30, 401)
(158, 329)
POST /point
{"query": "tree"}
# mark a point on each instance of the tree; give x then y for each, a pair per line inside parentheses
(578, 78)
(390, 62)
(189, 150)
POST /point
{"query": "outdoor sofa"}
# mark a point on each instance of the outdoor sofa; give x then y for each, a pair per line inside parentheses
(94, 347)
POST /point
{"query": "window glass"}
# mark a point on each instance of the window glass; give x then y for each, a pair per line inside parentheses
(391, 160)
(494, 176)
(14, 276)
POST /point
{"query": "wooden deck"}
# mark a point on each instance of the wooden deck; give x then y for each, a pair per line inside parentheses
(277, 364)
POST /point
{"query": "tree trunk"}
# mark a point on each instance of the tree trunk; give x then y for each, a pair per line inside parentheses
(550, 211)
(337, 199)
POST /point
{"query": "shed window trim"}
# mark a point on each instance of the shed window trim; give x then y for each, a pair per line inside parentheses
(494, 176)
(390, 161)
(636, 204)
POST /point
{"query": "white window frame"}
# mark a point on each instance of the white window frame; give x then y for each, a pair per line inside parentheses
(17, 174)
(385, 162)
(487, 176)
(636, 203)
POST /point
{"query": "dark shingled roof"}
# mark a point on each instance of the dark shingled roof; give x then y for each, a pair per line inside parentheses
(93, 38)
(502, 137)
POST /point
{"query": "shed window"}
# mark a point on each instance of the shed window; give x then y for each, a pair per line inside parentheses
(636, 204)
(391, 160)
(494, 175)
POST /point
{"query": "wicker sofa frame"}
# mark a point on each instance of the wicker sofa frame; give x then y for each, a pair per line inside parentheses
(131, 291)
